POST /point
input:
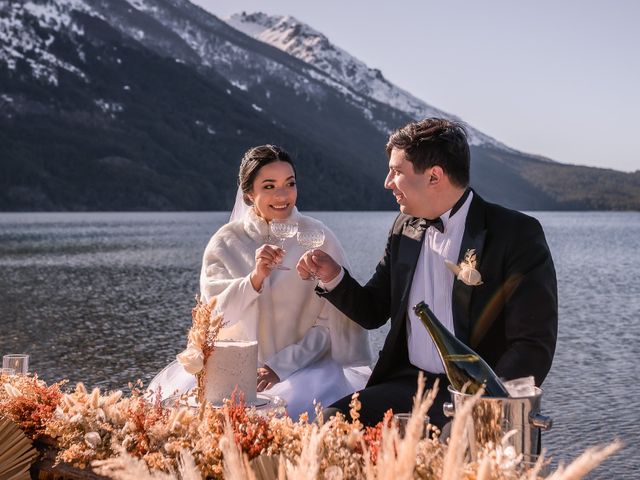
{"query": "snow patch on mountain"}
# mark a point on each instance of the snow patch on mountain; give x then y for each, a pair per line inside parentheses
(28, 30)
(352, 75)
(109, 108)
(139, 5)
(240, 65)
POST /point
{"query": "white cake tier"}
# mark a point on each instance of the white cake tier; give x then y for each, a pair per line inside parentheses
(232, 364)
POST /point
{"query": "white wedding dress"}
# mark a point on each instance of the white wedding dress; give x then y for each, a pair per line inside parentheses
(317, 352)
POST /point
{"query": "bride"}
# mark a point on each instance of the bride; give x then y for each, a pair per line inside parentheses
(307, 349)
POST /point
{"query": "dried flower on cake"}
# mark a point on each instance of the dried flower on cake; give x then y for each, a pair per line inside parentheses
(206, 325)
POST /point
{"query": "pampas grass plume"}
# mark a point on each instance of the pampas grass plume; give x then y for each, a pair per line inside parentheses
(187, 466)
(454, 458)
(308, 464)
(235, 466)
(127, 467)
(586, 462)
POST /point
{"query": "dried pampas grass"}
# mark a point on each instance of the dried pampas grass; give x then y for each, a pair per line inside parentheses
(308, 464)
(586, 462)
(187, 467)
(236, 465)
(127, 467)
(130, 437)
(454, 459)
(397, 456)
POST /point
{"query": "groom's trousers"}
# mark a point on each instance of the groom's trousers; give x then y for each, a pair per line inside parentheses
(396, 393)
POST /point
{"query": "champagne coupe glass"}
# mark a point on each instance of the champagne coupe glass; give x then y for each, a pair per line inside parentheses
(282, 230)
(310, 239)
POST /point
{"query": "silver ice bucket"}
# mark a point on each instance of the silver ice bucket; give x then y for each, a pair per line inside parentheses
(494, 417)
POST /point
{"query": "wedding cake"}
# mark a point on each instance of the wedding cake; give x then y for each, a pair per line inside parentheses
(232, 364)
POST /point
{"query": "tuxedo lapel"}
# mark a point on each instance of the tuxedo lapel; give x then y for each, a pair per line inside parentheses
(395, 353)
(473, 238)
(409, 250)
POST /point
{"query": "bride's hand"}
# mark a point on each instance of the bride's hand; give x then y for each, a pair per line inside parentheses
(267, 257)
(319, 264)
(267, 378)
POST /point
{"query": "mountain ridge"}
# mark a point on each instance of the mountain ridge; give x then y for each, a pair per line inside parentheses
(149, 105)
(311, 46)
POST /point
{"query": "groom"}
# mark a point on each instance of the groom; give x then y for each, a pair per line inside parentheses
(509, 316)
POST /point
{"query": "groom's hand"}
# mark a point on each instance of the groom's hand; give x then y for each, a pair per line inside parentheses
(318, 263)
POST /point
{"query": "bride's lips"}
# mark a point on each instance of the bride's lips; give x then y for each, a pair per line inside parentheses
(280, 208)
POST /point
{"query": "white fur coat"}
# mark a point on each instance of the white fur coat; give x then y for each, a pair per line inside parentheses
(294, 326)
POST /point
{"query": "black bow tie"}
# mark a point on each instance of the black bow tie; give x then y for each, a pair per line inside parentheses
(436, 223)
(423, 224)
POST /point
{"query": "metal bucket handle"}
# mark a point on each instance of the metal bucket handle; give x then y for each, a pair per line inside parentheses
(536, 420)
(540, 421)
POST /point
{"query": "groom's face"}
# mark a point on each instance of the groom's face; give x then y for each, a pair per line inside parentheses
(410, 188)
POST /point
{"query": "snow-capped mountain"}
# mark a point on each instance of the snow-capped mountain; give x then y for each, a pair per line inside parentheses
(302, 41)
(172, 95)
(150, 104)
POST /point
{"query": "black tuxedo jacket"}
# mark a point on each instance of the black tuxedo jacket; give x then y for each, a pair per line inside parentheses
(510, 319)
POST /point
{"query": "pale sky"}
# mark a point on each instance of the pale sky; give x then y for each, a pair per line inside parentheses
(555, 78)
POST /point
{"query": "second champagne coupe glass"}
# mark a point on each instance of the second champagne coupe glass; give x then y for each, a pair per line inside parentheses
(310, 239)
(282, 230)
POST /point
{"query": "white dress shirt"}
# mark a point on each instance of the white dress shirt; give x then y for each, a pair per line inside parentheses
(433, 284)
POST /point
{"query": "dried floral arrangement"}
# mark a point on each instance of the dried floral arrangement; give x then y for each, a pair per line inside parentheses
(134, 436)
(201, 340)
(29, 402)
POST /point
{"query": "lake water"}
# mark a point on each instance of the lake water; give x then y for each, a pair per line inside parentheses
(105, 298)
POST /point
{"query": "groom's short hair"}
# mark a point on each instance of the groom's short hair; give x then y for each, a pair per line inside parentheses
(434, 141)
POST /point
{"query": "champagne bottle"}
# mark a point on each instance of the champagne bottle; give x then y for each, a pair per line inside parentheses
(461, 363)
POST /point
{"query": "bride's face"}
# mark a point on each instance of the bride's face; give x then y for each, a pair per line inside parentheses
(274, 191)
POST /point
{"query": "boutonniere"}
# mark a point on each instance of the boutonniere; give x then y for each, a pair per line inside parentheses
(466, 271)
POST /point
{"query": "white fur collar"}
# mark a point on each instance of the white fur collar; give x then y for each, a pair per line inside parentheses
(257, 226)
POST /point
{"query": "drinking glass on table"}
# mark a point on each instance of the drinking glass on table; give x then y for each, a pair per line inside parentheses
(18, 361)
(282, 230)
(402, 421)
(310, 239)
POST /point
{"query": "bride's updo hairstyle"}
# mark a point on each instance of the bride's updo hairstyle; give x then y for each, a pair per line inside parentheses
(253, 160)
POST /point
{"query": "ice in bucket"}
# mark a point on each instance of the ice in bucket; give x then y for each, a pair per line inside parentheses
(521, 387)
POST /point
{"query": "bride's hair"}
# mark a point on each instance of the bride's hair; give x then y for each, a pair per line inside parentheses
(253, 160)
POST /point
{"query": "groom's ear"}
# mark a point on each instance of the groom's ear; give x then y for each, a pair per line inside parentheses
(434, 175)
